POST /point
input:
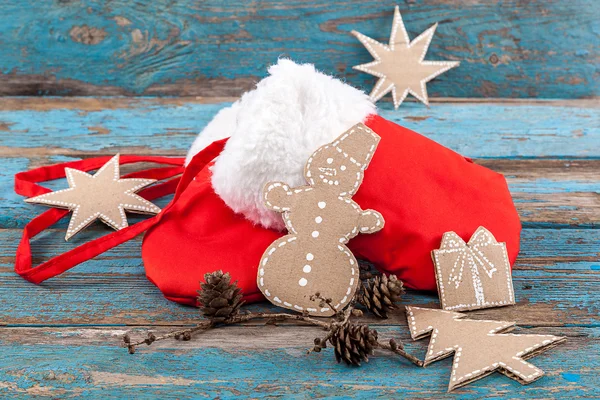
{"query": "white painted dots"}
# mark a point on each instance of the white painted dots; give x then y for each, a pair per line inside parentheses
(322, 204)
(319, 219)
(329, 160)
(343, 167)
(306, 269)
(315, 234)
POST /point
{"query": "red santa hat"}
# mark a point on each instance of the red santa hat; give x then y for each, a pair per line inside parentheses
(273, 129)
(421, 188)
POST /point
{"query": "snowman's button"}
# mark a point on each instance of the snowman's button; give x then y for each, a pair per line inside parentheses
(310, 257)
(307, 269)
(302, 282)
(319, 219)
(321, 204)
(315, 234)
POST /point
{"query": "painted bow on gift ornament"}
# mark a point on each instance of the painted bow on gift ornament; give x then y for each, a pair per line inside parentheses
(472, 255)
(482, 256)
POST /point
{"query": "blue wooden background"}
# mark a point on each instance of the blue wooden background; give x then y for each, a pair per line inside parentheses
(60, 340)
(508, 48)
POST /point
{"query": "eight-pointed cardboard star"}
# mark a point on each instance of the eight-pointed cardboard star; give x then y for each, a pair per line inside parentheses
(399, 65)
(103, 196)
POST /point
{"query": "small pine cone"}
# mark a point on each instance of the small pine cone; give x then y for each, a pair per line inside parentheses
(220, 299)
(365, 269)
(353, 343)
(380, 294)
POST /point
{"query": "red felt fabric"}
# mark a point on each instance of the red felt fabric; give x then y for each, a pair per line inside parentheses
(26, 185)
(424, 189)
(201, 234)
(420, 187)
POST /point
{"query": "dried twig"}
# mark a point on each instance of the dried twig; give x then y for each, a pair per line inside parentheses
(352, 342)
(395, 348)
(186, 334)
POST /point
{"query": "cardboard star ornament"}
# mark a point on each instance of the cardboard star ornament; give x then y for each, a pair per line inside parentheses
(479, 347)
(400, 65)
(104, 196)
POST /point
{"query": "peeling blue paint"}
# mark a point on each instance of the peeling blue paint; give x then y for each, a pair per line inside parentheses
(474, 130)
(571, 377)
(103, 371)
(181, 43)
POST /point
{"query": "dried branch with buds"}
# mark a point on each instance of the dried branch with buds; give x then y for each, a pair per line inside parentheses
(352, 342)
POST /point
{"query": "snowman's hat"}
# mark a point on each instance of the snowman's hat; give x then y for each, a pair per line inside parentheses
(359, 144)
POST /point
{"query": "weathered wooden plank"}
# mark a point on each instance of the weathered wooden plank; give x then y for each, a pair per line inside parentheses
(244, 337)
(556, 277)
(556, 280)
(265, 362)
(168, 126)
(84, 127)
(547, 193)
(507, 48)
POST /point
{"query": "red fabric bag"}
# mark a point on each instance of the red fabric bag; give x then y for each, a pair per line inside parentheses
(422, 189)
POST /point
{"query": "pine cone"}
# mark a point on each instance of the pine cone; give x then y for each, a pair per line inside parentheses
(220, 299)
(366, 270)
(353, 343)
(380, 294)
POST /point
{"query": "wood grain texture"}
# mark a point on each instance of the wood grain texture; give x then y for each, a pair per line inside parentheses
(547, 49)
(496, 129)
(60, 339)
(544, 197)
(265, 362)
(554, 267)
(42, 131)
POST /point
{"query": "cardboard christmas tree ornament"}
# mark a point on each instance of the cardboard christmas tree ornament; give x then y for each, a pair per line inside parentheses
(480, 347)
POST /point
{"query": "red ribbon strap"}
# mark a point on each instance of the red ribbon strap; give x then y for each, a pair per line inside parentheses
(26, 185)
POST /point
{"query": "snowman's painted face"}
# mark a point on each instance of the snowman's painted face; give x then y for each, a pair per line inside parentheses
(331, 166)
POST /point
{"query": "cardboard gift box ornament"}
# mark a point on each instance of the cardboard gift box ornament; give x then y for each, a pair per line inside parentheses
(473, 275)
(218, 220)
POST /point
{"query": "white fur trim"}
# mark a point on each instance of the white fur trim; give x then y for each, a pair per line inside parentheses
(274, 129)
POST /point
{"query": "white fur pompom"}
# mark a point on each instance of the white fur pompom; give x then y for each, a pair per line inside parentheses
(273, 129)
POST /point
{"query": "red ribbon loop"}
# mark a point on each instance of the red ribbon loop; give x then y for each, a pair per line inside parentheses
(26, 185)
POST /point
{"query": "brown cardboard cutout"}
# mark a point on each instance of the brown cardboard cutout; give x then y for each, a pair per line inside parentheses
(103, 196)
(400, 66)
(473, 275)
(480, 347)
(321, 218)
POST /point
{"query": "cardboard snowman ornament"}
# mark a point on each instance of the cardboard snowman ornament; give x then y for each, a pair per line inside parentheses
(320, 218)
